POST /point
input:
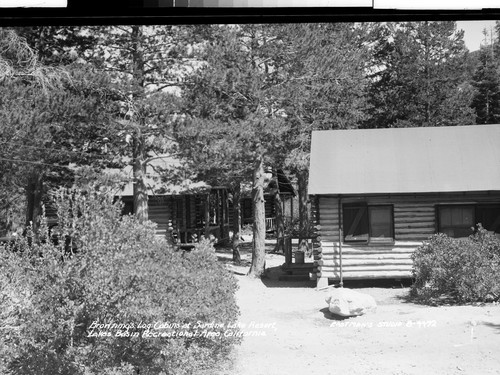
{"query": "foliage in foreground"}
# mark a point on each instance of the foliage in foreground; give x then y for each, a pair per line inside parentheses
(120, 273)
(463, 270)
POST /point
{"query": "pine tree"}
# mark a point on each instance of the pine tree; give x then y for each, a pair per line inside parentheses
(51, 116)
(264, 88)
(232, 130)
(321, 68)
(418, 73)
(144, 62)
(42, 133)
(486, 81)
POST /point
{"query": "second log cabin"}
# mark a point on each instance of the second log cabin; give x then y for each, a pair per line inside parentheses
(183, 211)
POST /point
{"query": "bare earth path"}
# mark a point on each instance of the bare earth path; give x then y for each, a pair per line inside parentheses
(295, 333)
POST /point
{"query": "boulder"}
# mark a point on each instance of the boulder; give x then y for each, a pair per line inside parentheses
(348, 302)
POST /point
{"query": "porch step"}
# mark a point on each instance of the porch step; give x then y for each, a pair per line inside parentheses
(294, 278)
(298, 269)
(296, 272)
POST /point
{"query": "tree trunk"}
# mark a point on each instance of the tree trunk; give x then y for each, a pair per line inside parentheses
(259, 222)
(138, 60)
(304, 211)
(207, 216)
(34, 192)
(139, 152)
(224, 220)
(236, 224)
(140, 190)
(280, 224)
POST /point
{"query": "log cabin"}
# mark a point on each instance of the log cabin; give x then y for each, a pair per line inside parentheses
(183, 211)
(187, 210)
(379, 193)
(280, 184)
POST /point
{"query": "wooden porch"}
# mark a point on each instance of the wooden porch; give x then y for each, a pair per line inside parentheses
(295, 266)
(199, 215)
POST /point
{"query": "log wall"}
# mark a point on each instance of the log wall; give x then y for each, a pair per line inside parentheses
(160, 212)
(414, 222)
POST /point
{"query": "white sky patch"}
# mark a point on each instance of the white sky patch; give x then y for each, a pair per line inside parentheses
(473, 32)
(33, 3)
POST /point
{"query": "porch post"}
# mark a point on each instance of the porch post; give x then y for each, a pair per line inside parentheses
(207, 215)
(340, 242)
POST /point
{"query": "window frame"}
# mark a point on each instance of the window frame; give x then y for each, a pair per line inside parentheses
(370, 239)
(350, 206)
(475, 209)
(439, 220)
(382, 240)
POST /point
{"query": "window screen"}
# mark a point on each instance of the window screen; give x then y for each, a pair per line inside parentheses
(363, 223)
(456, 221)
(355, 221)
(381, 223)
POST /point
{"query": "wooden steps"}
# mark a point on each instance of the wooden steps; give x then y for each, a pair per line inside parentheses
(297, 272)
(294, 278)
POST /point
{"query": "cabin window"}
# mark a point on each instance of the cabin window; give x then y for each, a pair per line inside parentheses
(381, 223)
(460, 221)
(355, 221)
(363, 223)
(489, 217)
(456, 221)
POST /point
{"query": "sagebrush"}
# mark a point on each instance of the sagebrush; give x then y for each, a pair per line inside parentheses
(107, 268)
(462, 270)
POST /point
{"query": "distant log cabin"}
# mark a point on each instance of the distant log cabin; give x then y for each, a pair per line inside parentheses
(183, 211)
(188, 210)
(187, 216)
(278, 184)
(379, 193)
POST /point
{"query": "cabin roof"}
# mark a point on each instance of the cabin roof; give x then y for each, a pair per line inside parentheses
(405, 160)
(164, 176)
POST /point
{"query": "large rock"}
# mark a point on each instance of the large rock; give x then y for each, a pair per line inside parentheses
(348, 302)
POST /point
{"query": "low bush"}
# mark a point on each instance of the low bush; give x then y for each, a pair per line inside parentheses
(462, 270)
(57, 308)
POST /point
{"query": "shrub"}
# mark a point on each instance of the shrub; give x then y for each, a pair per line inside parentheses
(120, 273)
(464, 270)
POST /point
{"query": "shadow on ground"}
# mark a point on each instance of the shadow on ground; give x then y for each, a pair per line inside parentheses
(493, 325)
(328, 315)
(382, 283)
(229, 260)
(272, 275)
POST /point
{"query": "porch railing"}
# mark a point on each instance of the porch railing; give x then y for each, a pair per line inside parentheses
(270, 224)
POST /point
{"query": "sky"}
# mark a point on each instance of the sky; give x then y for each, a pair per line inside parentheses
(473, 32)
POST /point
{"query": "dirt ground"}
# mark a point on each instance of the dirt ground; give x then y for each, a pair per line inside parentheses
(290, 331)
